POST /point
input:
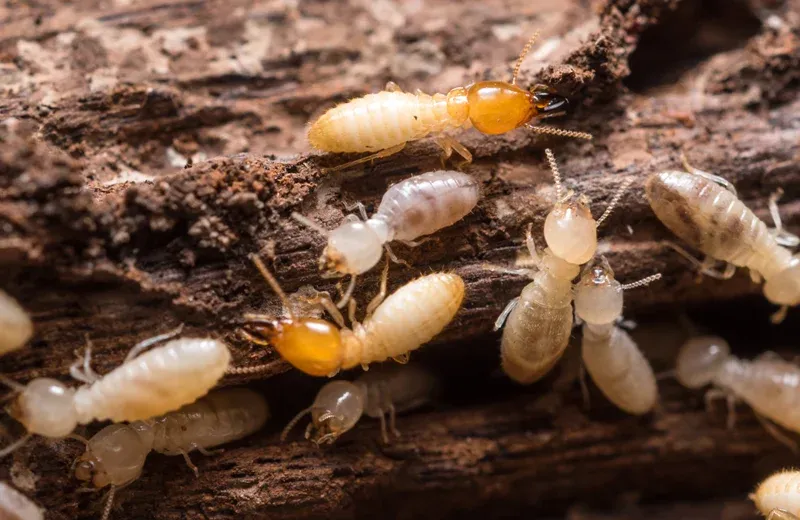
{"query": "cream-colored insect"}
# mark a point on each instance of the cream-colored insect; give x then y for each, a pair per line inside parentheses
(156, 382)
(704, 211)
(383, 123)
(410, 209)
(778, 496)
(769, 384)
(404, 321)
(16, 506)
(609, 354)
(538, 323)
(387, 390)
(116, 455)
(15, 324)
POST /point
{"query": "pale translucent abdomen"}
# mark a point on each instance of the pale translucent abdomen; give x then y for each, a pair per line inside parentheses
(15, 325)
(159, 381)
(404, 386)
(426, 203)
(779, 491)
(619, 369)
(407, 319)
(535, 335)
(222, 416)
(378, 121)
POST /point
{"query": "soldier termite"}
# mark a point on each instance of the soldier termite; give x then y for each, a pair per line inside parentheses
(538, 323)
(778, 496)
(405, 320)
(153, 383)
(387, 390)
(769, 384)
(381, 124)
(609, 354)
(410, 209)
(16, 506)
(704, 211)
(15, 325)
(116, 455)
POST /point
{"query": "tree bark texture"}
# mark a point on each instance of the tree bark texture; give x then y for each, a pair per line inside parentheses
(147, 147)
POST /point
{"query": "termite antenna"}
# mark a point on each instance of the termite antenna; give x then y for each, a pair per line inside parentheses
(551, 159)
(257, 369)
(109, 503)
(276, 287)
(310, 224)
(782, 236)
(549, 130)
(13, 385)
(15, 445)
(615, 200)
(348, 293)
(644, 281)
(149, 342)
(293, 423)
(722, 181)
(525, 51)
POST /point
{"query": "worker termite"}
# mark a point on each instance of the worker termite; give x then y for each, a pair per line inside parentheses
(770, 385)
(611, 357)
(116, 455)
(153, 383)
(538, 323)
(387, 390)
(16, 506)
(383, 123)
(698, 208)
(778, 496)
(405, 320)
(15, 324)
(410, 209)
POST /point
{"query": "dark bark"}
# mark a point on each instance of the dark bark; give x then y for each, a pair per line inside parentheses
(102, 96)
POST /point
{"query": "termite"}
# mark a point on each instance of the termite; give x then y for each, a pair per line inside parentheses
(410, 209)
(16, 506)
(778, 496)
(15, 324)
(116, 455)
(147, 385)
(381, 124)
(769, 384)
(404, 321)
(538, 323)
(704, 211)
(387, 390)
(611, 357)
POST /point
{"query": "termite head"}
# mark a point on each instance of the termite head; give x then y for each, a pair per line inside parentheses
(570, 230)
(45, 407)
(336, 409)
(700, 359)
(598, 295)
(311, 345)
(353, 248)
(784, 287)
(114, 456)
(547, 102)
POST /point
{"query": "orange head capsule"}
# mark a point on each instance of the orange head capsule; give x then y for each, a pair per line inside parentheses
(497, 107)
(311, 345)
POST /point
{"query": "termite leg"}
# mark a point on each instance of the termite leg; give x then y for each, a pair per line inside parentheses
(402, 358)
(352, 305)
(450, 145)
(393, 257)
(384, 433)
(378, 298)
(144, 345)
(81, 369)
(776, 433)
(415, 243)
(348, 293)
(208, 453)
(782, 236)
(755, 276)
(13, 385)
(780, 514)
(779, 315)
(190, 463)
(323, 299)
(584, 387)
(362, 210)
(501, 320)
(711, 395)
(705, 267)
(377, 155)
(531, 244)
(393, 421)
(391, 86)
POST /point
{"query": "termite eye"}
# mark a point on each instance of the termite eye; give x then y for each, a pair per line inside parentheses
(312, 346)
(84, 470)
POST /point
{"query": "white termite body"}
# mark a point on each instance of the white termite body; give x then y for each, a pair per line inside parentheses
(116, 455)
(770, 385)
(387, 390)
(159, 381)
(538, 323)
(16, 327)
(611, 357)
(16, 506)
(410, 209)
(778, 496)
(714, 221)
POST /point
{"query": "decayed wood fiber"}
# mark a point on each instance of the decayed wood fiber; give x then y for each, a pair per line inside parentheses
(104, 231)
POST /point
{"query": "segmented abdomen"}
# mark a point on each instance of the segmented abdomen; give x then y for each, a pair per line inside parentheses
(619, 370)
(409, 318)
(771, 387)
(535, 336)
(713, 220)
(378, 121)
(779, 491)
(426, 203)
(222, 416)
(159, 381)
